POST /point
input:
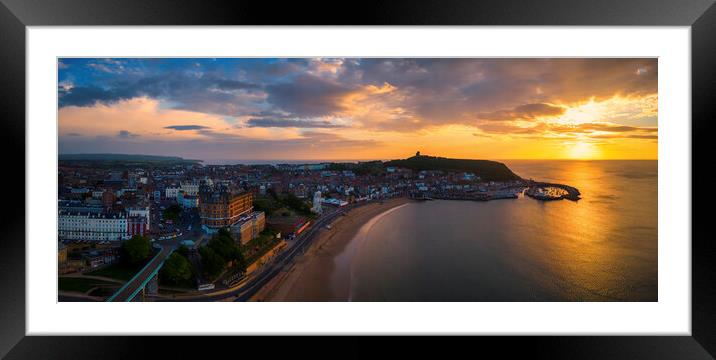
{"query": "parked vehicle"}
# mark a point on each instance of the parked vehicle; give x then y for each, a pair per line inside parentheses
(204, 287)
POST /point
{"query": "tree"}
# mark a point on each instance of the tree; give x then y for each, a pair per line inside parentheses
(176, 270)
(183, 250)
(265, 204)
(296, 204)
(137, 249)
(223, 244)
(213, 263)
(172, 212)
(271, 192)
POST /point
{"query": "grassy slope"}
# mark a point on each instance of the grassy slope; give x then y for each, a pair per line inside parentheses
(80, 284)
(488, 170)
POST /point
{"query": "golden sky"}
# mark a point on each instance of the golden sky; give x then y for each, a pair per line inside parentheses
(359, 109)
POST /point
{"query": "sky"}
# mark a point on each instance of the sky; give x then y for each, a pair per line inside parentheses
(359, 108)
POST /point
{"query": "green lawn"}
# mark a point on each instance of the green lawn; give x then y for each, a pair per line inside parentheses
(264, 242)
(117, 271)
(80, 284)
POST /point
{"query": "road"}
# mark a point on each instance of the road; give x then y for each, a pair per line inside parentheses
(251, 286)
(131, 288)
(265, 274)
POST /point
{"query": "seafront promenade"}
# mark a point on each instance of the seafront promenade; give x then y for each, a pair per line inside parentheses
(308, 277)
(253, 283)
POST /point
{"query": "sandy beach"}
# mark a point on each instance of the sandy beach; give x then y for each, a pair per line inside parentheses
(319, 274)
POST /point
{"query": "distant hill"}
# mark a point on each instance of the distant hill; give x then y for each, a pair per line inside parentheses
(486, 169)
(124, 158)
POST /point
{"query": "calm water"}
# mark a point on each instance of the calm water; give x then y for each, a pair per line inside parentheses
(602, 248)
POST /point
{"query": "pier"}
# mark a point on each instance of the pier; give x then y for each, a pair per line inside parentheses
(534, 191)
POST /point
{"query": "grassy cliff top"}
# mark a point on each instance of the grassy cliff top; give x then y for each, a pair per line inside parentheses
(123, 160)
(486, 169)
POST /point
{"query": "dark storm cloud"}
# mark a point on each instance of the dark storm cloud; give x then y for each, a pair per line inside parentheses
(91, 95)
(443, 91)
(217, 146)
(186, 127)
(428, 92)
(308, 95)
(524, 112)
(186, 91)
(298, 123)
(556, 131)
(125, 134)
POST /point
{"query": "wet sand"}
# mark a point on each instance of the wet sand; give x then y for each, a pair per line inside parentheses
(322, 273)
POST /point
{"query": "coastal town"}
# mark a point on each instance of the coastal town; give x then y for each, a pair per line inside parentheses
(143, 228)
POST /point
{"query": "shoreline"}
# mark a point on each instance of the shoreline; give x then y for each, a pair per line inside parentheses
(311, 277)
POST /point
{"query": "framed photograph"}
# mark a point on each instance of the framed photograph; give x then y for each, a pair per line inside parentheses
(519, 170)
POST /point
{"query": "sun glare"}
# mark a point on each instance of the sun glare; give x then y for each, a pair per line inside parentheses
(581, 150)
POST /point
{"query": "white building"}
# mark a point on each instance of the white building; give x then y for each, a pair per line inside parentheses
(171, 193)
(140, 211)
(190, 188)
(89, 226)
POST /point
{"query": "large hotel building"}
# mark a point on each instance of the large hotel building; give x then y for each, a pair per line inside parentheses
(222, 207)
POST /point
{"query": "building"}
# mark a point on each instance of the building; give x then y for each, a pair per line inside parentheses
(249, 227)
(137, 225)
(79, 206)
(92, 226)
(187, 201)
(300, 190)
(108, 199)
(61, 254)
(141, 212)
(171, 192)
(470, 176)
(222, 207)
(96, 259)
(190, 188)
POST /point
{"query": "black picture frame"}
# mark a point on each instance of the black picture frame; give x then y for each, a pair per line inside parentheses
(16, 15)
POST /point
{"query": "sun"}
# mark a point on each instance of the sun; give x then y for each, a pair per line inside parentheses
(584, 113)
(581, 150)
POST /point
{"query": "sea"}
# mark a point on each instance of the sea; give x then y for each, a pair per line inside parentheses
(601, 248)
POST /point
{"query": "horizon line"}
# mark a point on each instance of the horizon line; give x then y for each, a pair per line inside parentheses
(366, 159)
